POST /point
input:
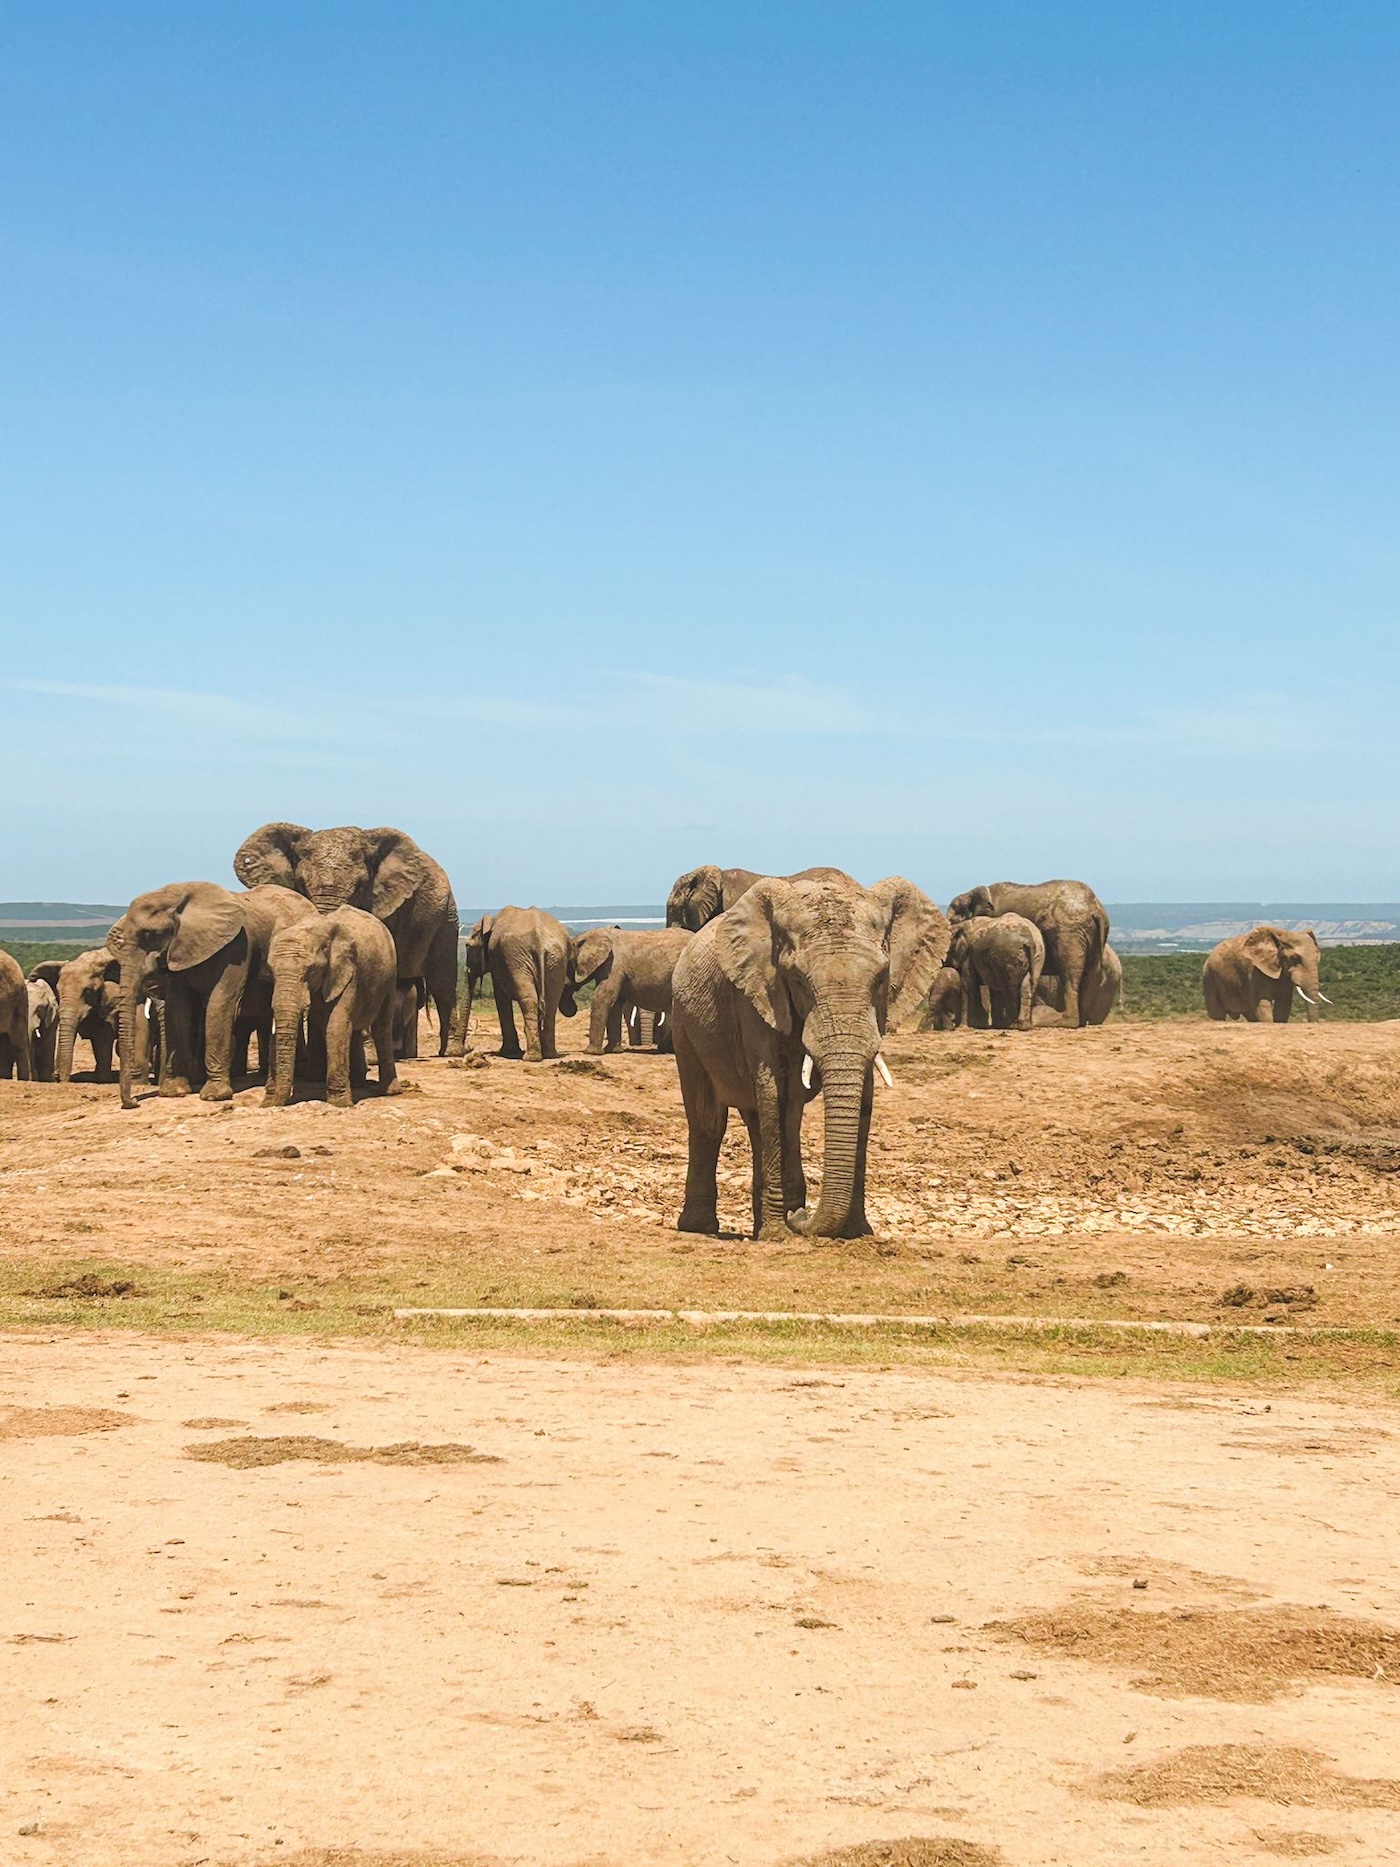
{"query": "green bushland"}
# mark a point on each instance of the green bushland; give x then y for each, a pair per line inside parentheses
(30, 952)
(1363, 983)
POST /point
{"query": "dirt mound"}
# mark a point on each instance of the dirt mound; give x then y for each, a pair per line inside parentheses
(1214, 1773)
(1250, 1655)
(912, 1851)
(210, 1422)
(58, 1422)
(252, 1450)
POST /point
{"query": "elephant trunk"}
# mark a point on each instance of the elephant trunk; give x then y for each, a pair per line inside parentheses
(69, 1017)
(128, 1037)
(845, 1052)
(286, 1020)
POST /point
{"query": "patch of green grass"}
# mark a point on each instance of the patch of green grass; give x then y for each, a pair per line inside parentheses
(30, 952)
(1363, 983)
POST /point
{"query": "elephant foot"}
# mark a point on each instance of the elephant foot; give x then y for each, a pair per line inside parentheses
(274, 1099)
(774, 1232)
(707, 1222)
(214, 1091)
(174, 1086)
(340, 1099)
(394, 1088)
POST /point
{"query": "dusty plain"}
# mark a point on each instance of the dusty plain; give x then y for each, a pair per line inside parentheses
(286, 1578)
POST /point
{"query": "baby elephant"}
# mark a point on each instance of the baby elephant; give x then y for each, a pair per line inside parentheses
(1004, 953)
(632, 970)
(43, 1030)
(340, 970)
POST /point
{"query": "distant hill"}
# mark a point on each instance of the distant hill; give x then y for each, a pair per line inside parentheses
(1195, 926)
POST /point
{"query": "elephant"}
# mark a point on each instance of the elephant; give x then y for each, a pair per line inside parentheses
(1072, 920)
(943, 1006)
(14, 1019)
(1254, 976)
(526, 951)
(1098, 995)
(631, 970)
(43, 1029)
(205, 949)
(384, 872)
(1003, 955)
(700, 894)
(783, 996)
(339, 969)
(87, 991)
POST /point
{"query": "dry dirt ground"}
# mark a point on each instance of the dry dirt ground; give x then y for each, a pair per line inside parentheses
(398, 1602)
(682, 1615)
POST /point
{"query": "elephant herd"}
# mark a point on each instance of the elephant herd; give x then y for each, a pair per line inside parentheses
(770, 990)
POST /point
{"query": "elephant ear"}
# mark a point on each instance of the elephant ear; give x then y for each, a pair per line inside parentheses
(916, 939)
(1261, 950)
(341, 960)
(115, 942)
(270, 855)
(46, 973)
(209, 919)
(399, 870)
(696, 898)
(748, 938)
(591, 952)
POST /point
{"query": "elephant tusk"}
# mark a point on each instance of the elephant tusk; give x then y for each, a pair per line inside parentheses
(1325, 999)
(148, 1007)
(1303, 995)
(807, 1071)
(884, 1069)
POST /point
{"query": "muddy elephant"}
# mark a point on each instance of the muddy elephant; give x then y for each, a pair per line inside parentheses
(999, 960)
(1072, 920)
(205, 949)
(700, 894)
(526, 952)
(384, 872)
(339, 970)
(786, 995)
(943, 1006)
(631, 970)
(1099, 995)
(14, 1019)
(1254, 976)
(43, 1029)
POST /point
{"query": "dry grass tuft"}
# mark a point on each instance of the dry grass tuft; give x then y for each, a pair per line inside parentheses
(58, 1422)
(243, 1454)
(1216, 1773)
(1250, 1655)
(911, 1851)
(1296, 1843)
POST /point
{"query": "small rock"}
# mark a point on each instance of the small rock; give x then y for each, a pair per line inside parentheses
(813, 1620)
(1025, 1675)
(1139, 1584)
(287, 1152)
(30, 1828)
(964, 1685)
(942, 1620)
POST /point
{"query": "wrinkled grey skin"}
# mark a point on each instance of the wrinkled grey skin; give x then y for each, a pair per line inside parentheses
(1255, 976)
(1072, 920)
(86, 989)
(700, 894)
(14, 1019)
(943, 1006)
(794, 968)
(43, 1029)
(999, 960)
(385, 873)
(1099, 994)
(207, 949)
(339, 970)
(526, 951)
(632, 971)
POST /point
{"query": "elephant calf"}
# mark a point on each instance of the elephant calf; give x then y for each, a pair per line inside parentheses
(1002, 955)
(943, 1006)
(43, 1029)
(340, 970)
(526, 951)
(1255, 975)
(631, 970)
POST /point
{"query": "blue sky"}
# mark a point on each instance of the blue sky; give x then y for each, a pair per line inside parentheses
(958, 439)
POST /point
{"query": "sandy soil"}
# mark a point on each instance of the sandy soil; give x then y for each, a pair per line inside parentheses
(692, 1614)
(1177, 1170)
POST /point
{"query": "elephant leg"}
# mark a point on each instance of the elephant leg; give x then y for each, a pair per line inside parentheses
(182, 1026)
(103, 1045)
(766, 1137)
(531, 1018)
(338, 1061)
(505, 1011)
(620, 1014)
(556, 973)
(974, 1002)
(1026, 1003)
(794, 1179)
(359, 1062)
(220, 1014)
(601, 1036)
(389, 1084)
(661, 1031)
(19, 1048)
(706, 1120)
(440, 977)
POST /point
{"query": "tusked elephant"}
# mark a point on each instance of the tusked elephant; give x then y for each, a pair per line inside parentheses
(43, 1029)
(526, 952)
(338, 970)
(632, 971)
(14, 1019)
(1255, 975)
(700, 894)
(1072, 920)
(384, 872)
(786, 995)
(87, 992)
(207, 949)
(1003, 956)
(1099, 994)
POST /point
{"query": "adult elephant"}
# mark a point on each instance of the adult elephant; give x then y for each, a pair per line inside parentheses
(384, 872)
(1099, 994)
(700, 894)
(1254, 976)
(630, 970)
(1003, 956)
(87, 991)
(14, 1019)
(787, 994)
(204, 949)
(526, 952)
(1072, 920)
